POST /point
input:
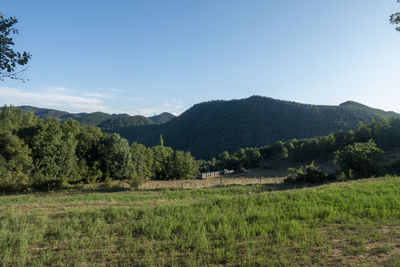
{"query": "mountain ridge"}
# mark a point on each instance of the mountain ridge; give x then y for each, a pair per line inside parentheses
(101, 119)
(209, 128)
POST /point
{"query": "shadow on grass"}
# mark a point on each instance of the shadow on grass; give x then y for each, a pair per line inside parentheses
(76, 190)
(113, 189)
(69, 191)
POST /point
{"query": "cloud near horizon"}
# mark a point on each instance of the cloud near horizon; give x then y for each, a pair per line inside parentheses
(172, 106)
(73, 101)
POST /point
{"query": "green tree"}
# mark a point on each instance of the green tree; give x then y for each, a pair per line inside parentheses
(184, 165)
(173, 165)
(142, 164)
(284, 153)
(358, 160)
(53, 152)
(15, 162)
(212, 163)
(114, 157)
(14, 119)
(88, 137)
(9, 59)
(395, 18)
(162, 167)
(253, 157)
(362, 133)
(161, 140)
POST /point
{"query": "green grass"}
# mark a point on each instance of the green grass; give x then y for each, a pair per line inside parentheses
(355, 223)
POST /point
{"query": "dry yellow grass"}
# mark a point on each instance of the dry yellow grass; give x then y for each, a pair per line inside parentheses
(196, 184)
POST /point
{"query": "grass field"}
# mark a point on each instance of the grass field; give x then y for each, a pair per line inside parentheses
(355, 223)
(211, 182)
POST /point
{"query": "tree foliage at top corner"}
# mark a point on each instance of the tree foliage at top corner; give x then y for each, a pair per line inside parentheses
(10, 59)
(395, 18)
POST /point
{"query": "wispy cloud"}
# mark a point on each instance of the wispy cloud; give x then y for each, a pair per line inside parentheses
(116, 90)
(172, 106)
(54, 97)
(95, 95)
(77, 101)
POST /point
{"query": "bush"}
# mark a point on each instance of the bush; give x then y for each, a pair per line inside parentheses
(308, 174)
(15, 163)
(47, 184)
(358, 160)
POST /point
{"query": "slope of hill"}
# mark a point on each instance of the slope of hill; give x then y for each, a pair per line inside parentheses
(92, 119)
(210, 128)
(162, 118)
(46, 112)
(364, 108)
(124, 120)
(107, 122)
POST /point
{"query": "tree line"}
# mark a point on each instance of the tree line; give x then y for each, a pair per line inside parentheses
(356, 152)
(42, 154)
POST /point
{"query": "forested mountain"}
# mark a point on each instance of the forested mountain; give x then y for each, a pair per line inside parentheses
(366, 151)
(364, 108)
(46, 112)
(115, 122)
(210, 128)
(162, 118)
(105, 121)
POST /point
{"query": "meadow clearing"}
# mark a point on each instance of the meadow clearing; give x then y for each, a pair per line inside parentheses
(348, 223)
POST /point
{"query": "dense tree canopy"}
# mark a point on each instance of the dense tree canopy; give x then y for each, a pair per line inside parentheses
(10, 59)
(395, 18)
(45, 153)
(210, 128)
(207, 129)
(356, 153)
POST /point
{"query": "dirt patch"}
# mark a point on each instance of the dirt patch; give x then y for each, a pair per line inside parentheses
(368, 252)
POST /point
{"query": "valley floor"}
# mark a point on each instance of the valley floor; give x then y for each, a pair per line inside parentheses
(349, 223)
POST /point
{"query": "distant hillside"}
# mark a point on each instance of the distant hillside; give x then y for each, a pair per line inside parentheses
(162, 118)
(46, 112)
(124, 121)
(364, 108)
(210, 128)
(107, 122)
(92, 119)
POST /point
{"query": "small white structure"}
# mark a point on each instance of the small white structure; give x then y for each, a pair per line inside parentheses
(208, 175)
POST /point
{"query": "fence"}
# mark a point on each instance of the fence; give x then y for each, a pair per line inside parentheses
(207, 175)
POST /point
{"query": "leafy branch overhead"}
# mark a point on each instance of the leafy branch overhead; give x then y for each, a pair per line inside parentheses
(10, 59)
(395, 18)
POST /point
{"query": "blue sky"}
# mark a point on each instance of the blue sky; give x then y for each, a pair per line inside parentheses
(146, 57)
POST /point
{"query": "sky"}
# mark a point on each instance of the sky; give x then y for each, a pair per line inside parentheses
(153, 56)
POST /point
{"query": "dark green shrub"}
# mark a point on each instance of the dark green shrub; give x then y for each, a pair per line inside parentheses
(358, 160)
(307, 174)
(47, 184)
